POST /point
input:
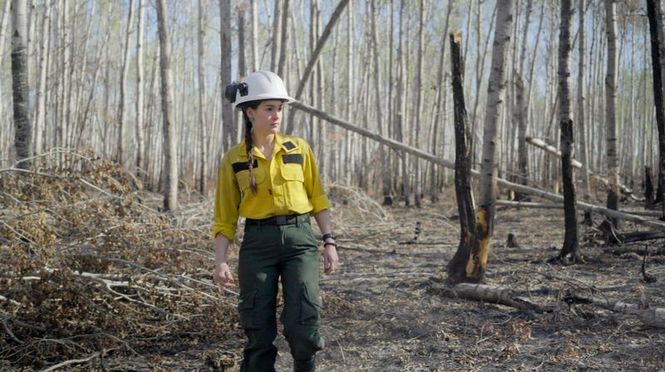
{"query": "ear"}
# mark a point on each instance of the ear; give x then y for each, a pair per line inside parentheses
(250, 113)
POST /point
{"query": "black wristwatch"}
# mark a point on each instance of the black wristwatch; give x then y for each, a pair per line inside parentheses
(328, 236)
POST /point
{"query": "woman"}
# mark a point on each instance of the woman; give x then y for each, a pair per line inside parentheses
(271, 179)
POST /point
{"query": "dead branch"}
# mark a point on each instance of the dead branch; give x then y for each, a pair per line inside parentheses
(640, 251)
(440, 161)
(554, 151)
(523, 204)
(70, 362)
(8, 329)
(654, 317)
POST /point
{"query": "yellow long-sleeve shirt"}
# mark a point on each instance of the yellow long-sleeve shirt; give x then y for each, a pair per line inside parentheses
(289, 183)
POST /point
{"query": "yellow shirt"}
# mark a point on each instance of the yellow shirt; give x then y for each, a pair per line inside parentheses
(289, 183)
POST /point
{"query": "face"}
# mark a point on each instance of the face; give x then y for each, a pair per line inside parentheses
(267, 117)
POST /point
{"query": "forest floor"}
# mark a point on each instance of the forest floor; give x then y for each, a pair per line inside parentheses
(94, 277)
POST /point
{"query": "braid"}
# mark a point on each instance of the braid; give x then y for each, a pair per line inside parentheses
(250, 155)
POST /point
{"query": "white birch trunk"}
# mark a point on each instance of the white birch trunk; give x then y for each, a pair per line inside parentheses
(22, 128)
(140, 90)
(504, 19)
(170, 143)
(610, 104)
(40, 106)
(122, 115)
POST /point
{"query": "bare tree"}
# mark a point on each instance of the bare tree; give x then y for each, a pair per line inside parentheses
(229, 126)
(315, 56)
(504, 19)
(40, 106)
(457, 267)
(284, 35)
(580, 117)
(140, 91)
(122, 114)
(203, 130)
(23, 129)
(610, 106)
(656, 32)
(170, 143)
(570, 243)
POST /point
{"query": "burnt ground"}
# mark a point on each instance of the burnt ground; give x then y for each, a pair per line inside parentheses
(382, 314)
(382, 311)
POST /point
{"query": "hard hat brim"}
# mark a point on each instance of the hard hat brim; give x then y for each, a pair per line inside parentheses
(262, 97)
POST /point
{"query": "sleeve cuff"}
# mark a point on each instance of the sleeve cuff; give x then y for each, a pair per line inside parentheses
(320, 203)
(228, 231)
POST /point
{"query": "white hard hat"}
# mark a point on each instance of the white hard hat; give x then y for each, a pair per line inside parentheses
(259, 86)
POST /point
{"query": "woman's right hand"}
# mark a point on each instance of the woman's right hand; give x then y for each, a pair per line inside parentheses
(223, 276)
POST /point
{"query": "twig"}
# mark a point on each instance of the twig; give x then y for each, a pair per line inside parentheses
(72, 361)
(9, 330)
(18, 233)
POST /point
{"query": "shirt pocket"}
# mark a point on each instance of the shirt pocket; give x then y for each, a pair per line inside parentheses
(293, 172)
(243, 178)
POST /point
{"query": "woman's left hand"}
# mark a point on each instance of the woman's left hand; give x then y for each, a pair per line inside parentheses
(330, 259)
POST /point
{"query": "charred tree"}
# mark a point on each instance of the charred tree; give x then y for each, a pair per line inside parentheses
(22, 127)
(655, 30)
(457, 267)
(571, 241)
(610, 108)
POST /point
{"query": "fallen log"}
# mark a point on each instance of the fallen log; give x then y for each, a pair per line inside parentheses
(485, 293)
(654, 317)
(657, 251)
(522, 204)
(448, 164)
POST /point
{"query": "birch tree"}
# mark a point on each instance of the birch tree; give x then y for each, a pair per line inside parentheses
(170, 143)
(203, 130)
(504, 20)
(22, 128)
(122, 114)
(230, 130)
(580, 117)
(570, 243)
(320, 43)
(140, 91)
(610, 106)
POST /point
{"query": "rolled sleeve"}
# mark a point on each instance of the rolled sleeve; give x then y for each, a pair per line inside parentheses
(315, 191)
(227, 201)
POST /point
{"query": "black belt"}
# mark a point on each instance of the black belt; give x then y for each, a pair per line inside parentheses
(292, 219)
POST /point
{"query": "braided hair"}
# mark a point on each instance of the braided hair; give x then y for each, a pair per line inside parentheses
(249, 144)
(230, 94)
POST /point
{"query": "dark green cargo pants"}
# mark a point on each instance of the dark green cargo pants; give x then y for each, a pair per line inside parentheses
(270, 252)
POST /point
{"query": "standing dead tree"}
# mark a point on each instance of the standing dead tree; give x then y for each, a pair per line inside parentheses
(170, 143)
(457, 267)
(23, 129)
(571, 241)
(488, 167)
(610, 107)
(656, 32)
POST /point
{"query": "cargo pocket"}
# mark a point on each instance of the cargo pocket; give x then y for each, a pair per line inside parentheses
(310, 306)
(246, 308)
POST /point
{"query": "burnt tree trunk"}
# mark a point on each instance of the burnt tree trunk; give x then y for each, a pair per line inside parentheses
(571, 241)
(23, 128)
(653, 13)
(457, 267)
(648, 189)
